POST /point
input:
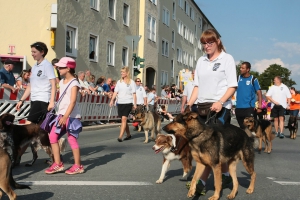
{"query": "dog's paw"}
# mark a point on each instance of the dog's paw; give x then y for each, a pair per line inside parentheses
(146, 141)
(250, 190)
(28, 165)
(230, 196)
(191, 193)
(214, 197)
(159, 181)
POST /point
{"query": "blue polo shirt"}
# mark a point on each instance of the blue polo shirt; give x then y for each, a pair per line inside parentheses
(106, 87)
(7, 77)
(246, 92)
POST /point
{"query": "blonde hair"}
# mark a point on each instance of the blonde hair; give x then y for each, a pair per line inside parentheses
(128, 78)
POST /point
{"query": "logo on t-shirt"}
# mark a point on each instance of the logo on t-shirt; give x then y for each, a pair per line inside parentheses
(247, 82)
(216, 66)
(39, 73)
(281, 88)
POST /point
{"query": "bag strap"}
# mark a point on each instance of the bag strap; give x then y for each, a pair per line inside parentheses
(62, 95)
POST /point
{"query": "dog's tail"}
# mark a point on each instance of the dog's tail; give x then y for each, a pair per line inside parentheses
(62, 144)
(16, 185)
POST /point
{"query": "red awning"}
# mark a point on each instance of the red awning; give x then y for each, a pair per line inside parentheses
(13, 57)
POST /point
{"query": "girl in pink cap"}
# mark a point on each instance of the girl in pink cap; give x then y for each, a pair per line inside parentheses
(68, 120)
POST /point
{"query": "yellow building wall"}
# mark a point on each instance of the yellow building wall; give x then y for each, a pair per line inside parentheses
(141, 45)
(24, 22)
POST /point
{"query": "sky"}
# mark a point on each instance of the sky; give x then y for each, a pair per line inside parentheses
(262, 32)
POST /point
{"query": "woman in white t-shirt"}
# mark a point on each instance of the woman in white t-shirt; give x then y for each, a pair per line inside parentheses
(214, 83)
(68, 119)
(42, 85)
(126, 91)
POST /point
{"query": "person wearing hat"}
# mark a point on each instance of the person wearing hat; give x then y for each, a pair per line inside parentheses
(7, 78)
(42, 86)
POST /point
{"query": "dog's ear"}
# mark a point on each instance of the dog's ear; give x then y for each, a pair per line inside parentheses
(187, 109)
(193, 115)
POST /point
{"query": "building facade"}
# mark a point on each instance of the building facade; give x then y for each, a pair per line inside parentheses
(103, 35)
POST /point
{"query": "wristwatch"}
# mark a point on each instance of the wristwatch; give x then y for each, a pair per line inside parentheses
(21, 100)
(221, 102)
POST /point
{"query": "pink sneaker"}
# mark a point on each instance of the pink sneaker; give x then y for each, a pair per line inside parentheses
(75, 169)
(55, 168)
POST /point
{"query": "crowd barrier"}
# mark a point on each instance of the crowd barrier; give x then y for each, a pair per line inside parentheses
(92, 108)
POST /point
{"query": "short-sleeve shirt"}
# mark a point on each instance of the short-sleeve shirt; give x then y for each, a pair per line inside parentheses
(24, 83)
(7, 77)
(40, 77)
(163, 94)
(140, 95)
(246, 92)
(106, 87)
(213, 78)
(151, 97)
(295, 106)
(188, 89)
(65, 102)
(125, 91)
(280, 94)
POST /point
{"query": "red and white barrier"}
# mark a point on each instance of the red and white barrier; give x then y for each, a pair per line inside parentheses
(92, 108)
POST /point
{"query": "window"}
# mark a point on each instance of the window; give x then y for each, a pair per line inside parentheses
(126, 14)
(200, 22)
(172, 69)
(166, 16)
(125, 56)
(153, 1)
(110, 53)
(165, 47)
(184, 32)
(174, 11)
(180, 3)
(112, 9)
(173, 39)
(164, 78)
(177, 81)
(179, 27)
(93, 48)
(192, 14)
(94, 4)
(151, 28)
(71, 41)
(179, 55)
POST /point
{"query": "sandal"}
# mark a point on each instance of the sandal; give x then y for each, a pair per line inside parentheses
(120, 140)
(127, 137)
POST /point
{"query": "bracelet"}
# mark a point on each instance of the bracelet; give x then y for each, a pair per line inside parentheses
(221, 102)
(21, 100)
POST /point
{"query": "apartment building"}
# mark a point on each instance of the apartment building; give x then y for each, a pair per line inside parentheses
(102, 35)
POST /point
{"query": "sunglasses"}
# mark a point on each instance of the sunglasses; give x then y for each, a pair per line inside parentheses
(137, 81)
(60, 68)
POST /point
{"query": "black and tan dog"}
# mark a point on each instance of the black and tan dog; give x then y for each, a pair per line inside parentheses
(6, 179)
(261, 129)
(293, 126)
(212, 146)
(149, 121)
(173, 147)
(22, 135)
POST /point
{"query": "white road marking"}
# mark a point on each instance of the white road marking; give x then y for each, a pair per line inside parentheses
(287, 183)
(84, 183)
(271, 178)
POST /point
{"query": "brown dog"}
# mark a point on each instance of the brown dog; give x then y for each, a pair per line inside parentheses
(173, 147)
(149, 121)
(261, 129)
(23, 135)
(213, 145)
(6, 178)
(293, 126)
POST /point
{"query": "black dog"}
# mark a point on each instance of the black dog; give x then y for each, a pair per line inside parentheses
(293, 126)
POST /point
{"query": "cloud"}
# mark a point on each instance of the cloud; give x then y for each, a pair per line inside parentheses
(261, 65)
(286, 49)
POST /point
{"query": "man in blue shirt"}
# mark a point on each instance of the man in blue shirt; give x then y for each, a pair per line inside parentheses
(248, 88)
(7, 78)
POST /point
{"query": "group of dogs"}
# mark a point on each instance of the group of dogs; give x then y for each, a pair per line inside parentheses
(187, 139)
(13, 140)
(209, 145)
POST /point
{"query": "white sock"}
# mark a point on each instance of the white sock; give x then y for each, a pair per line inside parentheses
(226, 174)
(203, 182)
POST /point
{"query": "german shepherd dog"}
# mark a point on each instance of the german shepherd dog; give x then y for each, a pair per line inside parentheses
(24, 134)
(149, 121)
(293, 126)
(6, 178)
(213, 145)
(261, 129)
(173, 147)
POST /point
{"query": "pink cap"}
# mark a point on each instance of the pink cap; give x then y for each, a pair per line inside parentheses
(66, 62)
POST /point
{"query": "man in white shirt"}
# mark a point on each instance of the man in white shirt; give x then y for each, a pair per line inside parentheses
(280, 96)
(151, 99)
(187, 92)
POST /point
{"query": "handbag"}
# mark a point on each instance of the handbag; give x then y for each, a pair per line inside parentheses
(204, 108)
(50, 116)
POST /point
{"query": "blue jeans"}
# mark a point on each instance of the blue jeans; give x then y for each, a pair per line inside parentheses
(294, 112)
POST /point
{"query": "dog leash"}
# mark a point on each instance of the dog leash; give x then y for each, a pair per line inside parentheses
(213, 116)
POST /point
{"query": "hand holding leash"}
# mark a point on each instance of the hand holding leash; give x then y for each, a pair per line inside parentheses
(216, 107)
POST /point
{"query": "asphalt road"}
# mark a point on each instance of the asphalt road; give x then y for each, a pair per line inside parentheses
(128, 170)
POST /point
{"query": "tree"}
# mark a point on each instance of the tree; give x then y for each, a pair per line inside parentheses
(267, 77)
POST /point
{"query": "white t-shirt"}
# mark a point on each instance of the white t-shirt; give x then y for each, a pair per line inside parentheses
(213, 78)
(140, 95)
(151, 97)
(188, 89)
(65, 102)
(125, 91)
(83, 84)
(280, 94)
(40, 81)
